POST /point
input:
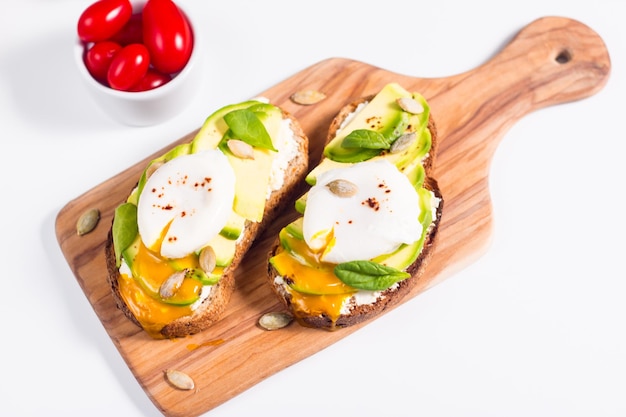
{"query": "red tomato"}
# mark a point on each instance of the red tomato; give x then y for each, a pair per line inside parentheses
(102, 19)
(132, 32)
(151, 80)
(129, 66)
(167, 35)
(99, 57)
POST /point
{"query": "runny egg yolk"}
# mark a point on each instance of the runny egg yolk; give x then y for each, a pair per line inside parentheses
(314, 288)
(140, 289)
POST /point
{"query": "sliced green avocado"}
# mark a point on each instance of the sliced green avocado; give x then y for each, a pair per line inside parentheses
(300, 203)
(407, 254)
(224, 249)
(384, 115)
(295, 228)
(328, 290)
(291, 237)
(252, 175)
(234, 226)
(130, 252)
(415, 173)
(285, 238)
(214, 127)
(204, 278)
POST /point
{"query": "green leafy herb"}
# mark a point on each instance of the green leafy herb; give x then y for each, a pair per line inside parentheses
(124, 229)
(245, 125)
(365, 139)
(368, 275)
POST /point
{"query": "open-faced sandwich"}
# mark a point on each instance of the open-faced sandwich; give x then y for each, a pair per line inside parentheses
(176, 241)
(368, 223)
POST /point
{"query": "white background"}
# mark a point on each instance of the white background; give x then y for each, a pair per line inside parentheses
(535, 327)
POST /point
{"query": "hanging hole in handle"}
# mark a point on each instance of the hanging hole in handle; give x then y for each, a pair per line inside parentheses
(563, 57)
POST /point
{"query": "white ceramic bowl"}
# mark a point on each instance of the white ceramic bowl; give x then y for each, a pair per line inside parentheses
(150, 107)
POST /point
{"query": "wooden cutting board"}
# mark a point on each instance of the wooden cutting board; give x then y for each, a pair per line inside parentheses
(552, 60)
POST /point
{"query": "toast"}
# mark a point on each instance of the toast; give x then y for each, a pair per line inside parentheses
(211, 286)
(333, 303)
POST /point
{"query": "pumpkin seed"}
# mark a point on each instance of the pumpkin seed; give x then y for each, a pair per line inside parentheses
(179, 379)
(240, 149)
(207, 259)
(307, 97)
(87, 221)
(403, 142)
(172, 284)
(410, 105)
(342, 188)
(275, 320)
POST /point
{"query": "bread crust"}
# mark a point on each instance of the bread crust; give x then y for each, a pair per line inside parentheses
(391, 296)
(212, 308)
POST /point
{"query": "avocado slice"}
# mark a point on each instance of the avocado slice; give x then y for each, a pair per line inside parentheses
(214, 127)
(234, 226)
(390, 123)
(252, 175)
(383, 115)
(407, 254)
(295, 228)
(336, 288)
(224, 249)
(300, 203)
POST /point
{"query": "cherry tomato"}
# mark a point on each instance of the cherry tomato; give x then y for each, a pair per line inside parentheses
(132, 32)
(167, 35)
(128, 66)
(99, 57)
(151, 80)
(103, 19)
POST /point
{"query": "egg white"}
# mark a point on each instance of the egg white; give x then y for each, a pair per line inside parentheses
(382, 215)
(192, 196)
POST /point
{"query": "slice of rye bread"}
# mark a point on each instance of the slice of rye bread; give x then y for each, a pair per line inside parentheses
(212, 308)
(392, 295)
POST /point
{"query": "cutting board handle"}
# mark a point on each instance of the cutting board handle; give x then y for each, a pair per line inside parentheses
(550, 61)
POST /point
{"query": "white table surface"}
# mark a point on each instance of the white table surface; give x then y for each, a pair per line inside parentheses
(535, 327)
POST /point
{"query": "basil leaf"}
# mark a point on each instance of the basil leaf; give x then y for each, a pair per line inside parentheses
(366, 139)
(246, 126)
(368, 275)
(124, 229)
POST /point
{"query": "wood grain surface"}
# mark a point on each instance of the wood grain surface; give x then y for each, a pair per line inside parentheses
(552, 60)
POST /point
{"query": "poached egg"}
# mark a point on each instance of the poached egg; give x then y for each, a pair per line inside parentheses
(185, 203)
(378, 214)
